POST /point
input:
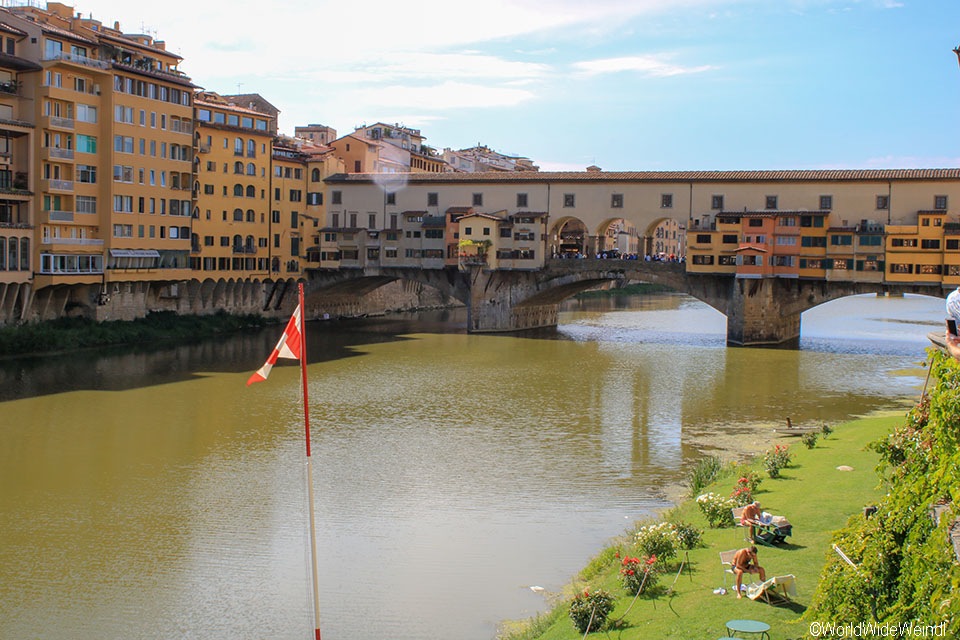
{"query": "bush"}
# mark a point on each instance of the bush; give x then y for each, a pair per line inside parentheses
(776, 459)
(637, 572)
(747, 477)
(809, 439)
(589, 611)
(704, 472)
(658, 540)
(716, 509)
(688, 536)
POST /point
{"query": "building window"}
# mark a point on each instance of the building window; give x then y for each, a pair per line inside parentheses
(569, 200)
(392, 198)
(883, 202)
(826, 203)
(336, 197)
(755, 222)
(522, 201)
(616, 201)
(940, 203)
(478, 199)
(716, 202)
(666, 200)
(433, 199)
(771, 202)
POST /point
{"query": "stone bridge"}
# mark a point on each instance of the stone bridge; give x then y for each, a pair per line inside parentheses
(759, 311)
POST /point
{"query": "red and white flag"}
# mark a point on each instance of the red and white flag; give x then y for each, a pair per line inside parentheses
(288, 347)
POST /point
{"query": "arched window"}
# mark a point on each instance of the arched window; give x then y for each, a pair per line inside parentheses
(238, 190)
(238, 243)
(251, 244)
(251, 148)
(25, 254)
(251, 191)
(238, 147)
(315, 175)
(251, 169)
(251, 215)
(3, 254)
(238, 167)
(238, 215)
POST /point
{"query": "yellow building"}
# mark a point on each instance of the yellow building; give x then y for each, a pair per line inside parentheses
(16, 169)
(233, 222)
(113, 171)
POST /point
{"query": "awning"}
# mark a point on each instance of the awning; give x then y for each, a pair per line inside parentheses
(134, 253)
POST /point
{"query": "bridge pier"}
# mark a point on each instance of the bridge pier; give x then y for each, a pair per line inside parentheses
(502, 301)
(761, 312)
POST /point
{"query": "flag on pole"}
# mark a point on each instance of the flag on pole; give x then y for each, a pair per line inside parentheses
(288, 347)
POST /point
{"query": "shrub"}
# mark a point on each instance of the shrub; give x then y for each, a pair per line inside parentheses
(826, 430)
(716, 509)
(589, 611)
(658, 540)
(688, 536)
(638, 572)
(776, 459)
(746, 477)
(704, 472)
(809, 439)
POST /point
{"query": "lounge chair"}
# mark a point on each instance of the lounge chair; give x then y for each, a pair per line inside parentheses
(773, 532)
(774, 590)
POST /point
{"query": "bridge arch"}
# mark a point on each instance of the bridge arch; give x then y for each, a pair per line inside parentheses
(568, 238)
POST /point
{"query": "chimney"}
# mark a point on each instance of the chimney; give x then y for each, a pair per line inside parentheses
(593, 169)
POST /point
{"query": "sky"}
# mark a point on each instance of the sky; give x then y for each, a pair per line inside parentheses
(626, 85)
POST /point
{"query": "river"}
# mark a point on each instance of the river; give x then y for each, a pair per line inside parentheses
(148, 493)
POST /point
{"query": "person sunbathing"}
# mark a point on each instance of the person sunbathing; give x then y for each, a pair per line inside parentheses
(750, 516)
(745, 561)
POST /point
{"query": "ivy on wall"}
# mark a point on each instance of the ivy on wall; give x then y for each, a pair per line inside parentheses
(906, 567)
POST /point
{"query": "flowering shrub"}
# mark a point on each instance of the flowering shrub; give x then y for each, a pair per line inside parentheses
(589, 611)
(747, 483)
(716, 509)
(688, 536)
(748, 478)
(809, 439)
(776, 459)
(637, 572)
(659, 540)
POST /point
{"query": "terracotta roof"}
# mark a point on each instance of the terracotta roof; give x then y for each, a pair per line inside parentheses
(131, 41)
(813, 175)
(771, 214)
(11, 29)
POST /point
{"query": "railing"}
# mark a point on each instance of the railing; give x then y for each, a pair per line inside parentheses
(89, 242)
(61, 185)
(63, 123)
(66, 56)
(63, 154)
(250, 250)
(61, 216)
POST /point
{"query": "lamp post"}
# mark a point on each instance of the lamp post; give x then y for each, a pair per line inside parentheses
(957, 51)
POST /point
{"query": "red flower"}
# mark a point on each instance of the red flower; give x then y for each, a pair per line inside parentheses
(651, 559)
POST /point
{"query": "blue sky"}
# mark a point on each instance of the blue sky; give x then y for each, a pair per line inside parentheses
(623, 84)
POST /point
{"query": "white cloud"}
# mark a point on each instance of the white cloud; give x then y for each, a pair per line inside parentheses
(444, 96)
(655, 66)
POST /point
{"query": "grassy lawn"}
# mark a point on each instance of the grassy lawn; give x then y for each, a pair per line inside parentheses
(811, 493)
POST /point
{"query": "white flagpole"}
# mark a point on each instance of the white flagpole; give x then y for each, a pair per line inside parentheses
(306, 428)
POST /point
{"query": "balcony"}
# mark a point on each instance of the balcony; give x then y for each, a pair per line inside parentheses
(58, 185)
(61, 123)
(66, 56)
(56, 153)
(246, 250)
(76, 242)
(60, 216)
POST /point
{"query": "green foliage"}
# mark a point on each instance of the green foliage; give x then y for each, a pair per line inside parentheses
(826, 430)
(906, 569)
(639, 572)
(716, 509)
(600, 563)
(589, 610)
(658, 540)
(747, 477)
(776, 459)
(809, 440)
(704, 472)
(688, 536)
(78, 333)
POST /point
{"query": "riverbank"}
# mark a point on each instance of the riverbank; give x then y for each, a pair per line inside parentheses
(69, 334)
(814, 493)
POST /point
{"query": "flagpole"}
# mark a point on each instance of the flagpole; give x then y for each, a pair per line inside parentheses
(306, 428)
